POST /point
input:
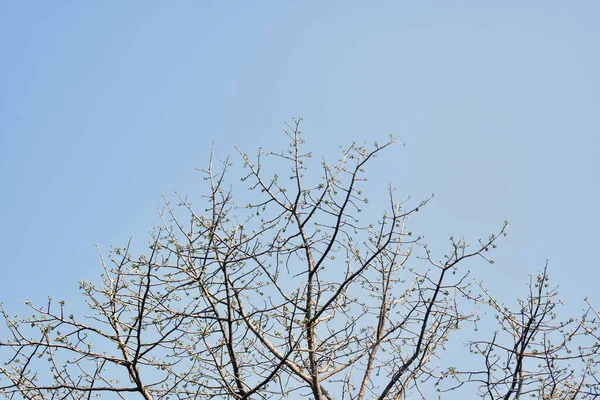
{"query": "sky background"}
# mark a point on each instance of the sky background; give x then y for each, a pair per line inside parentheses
(106, 106)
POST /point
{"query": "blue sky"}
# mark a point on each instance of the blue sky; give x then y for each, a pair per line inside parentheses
(105, 106)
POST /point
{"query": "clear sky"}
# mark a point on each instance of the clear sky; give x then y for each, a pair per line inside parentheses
(105, 106)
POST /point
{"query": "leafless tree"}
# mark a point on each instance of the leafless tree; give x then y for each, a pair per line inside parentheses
(278, 290)
(535, 353)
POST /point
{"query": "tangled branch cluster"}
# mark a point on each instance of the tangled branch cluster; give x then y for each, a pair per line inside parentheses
(291, 295)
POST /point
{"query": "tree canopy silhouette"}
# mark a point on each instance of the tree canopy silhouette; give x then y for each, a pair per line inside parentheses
(274, 288)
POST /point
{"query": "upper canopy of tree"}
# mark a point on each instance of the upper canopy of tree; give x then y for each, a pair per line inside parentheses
(273, 287)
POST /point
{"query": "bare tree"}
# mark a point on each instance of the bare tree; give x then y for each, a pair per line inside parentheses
(281, 291)
(535, 353)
